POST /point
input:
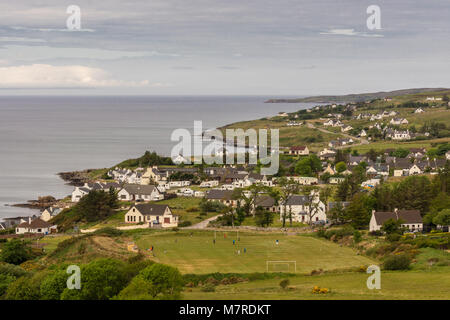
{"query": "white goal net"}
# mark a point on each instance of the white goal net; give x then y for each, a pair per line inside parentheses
(281, 266)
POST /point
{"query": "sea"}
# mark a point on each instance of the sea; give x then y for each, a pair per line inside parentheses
(43, 135)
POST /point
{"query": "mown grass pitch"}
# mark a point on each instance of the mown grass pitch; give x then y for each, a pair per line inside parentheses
(197, 253)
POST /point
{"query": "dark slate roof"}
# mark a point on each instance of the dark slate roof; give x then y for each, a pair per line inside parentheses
(151, 209)
(264, 201)
(408, 216)
(139, 189)
(219, 194)
(403, 164)
(297, 200)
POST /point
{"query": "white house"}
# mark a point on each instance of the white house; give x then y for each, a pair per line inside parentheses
(398, 121)
(300, 206)
(363, 133)
(209, 184)
(346, 128)
(49, 213)
(133, 192)
(35, 226)
(155, 215)
(419, 110)
(401, 135)
(299, 150)
(180, 159)
(305, 181)
(411, 219)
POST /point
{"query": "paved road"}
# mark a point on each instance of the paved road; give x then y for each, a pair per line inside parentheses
(203, 224)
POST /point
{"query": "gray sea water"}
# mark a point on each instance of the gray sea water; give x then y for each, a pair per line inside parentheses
(41, 136)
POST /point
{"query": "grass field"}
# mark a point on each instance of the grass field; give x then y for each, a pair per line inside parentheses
(394, 285)
(198, 254)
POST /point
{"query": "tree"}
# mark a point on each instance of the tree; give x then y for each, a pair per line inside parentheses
(263, 218)
(97, 205)
(392, 226)
(337, 214)
(308, 166)
(15, 251)
(53, 285)
(288, 188)
(359, 210)
(101, 280)
(442, 218)
(25, 288)
(166, 282)
(312, 205)
(341, 167)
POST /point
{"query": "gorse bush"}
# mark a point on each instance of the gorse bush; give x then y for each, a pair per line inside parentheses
(397, 262)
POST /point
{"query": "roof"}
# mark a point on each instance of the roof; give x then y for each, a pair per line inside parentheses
(151, 209)
(53, 211)
(36, 223)
(219, 194)
(408, 216)
(297, 200)
(139, 189)
(300, 148)
(264, 201)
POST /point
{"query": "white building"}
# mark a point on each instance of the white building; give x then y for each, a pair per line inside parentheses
(155, 215)
(300, 206)
(136, 192)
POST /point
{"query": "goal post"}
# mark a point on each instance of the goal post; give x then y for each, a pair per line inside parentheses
(281, 266)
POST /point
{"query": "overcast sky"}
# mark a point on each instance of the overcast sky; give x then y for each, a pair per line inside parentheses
(255, 47)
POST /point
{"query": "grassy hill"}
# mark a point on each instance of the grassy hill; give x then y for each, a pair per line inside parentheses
(361, 96)
(198, 254)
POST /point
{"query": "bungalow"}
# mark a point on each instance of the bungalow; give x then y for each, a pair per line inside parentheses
(336, 180)
(49, 213)
(35, 226)
(299, 208)
(156, 215)
(80, 192)
(398, 121)
(299, 151)
(419, 110)
(135, 192)
(223, 196)
(411, 219)
(267, 203)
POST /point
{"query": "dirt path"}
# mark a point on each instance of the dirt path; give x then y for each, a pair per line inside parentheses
(203, 224)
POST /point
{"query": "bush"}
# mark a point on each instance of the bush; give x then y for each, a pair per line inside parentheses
(15, 252)
(393, 237)
(184, 224)
(108, 231)
(397, 262)
(284, 283)
(208, 288)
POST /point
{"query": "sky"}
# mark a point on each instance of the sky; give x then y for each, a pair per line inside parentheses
(222, 47)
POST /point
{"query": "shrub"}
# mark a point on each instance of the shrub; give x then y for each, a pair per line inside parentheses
(393, 237)
(108, 231)
(208, 288)
(397, 262)
(184, 224)
(284, 283)
(15, 252)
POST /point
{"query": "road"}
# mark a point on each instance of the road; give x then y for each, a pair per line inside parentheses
(361, 140)
(203, 224)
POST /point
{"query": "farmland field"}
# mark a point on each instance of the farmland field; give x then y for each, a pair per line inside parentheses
(198, 254)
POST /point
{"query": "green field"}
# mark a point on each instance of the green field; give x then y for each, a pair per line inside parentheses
(410, 285)
(198, 254)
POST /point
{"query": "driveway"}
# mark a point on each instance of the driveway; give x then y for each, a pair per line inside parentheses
(203, 224)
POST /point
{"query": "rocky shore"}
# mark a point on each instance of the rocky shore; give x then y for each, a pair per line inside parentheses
(76, 178)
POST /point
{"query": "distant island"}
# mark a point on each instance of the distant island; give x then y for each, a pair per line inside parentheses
(360, 97)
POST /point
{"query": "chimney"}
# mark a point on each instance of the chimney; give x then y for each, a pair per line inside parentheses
(396, 213)
(29, 220)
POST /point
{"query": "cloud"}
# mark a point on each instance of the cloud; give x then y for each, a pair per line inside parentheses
(74, 76)
(350, 32)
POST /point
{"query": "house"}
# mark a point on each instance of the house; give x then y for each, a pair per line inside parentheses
(2, 226)
(355, 160)
(305, 181)
(180, 159)
(401, 167)
(266, 202)
(137, 192)
(49, 213)
(411, 219)
(13, 221)
(155, 215)
(35, 226)
(401, 135)
(336, 180)
(199, 194)
(80, 192)
(209, 184)
(329, 170)
(370, 184)
(223, 196)
(398, 121)
(346, 128)
(299, 151)
(419, 110)
(299, 207)
(363, 133)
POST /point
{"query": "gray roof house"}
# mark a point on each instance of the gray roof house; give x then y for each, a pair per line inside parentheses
(411, 219)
